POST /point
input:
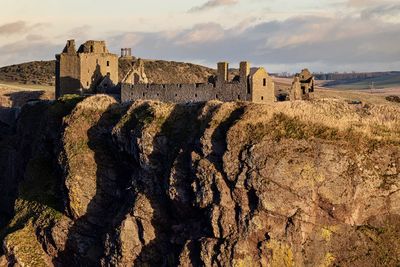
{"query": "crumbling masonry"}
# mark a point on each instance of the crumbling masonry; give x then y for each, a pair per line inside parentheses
(87, 70)
(302, 86)
(253, 85)
(93, 69)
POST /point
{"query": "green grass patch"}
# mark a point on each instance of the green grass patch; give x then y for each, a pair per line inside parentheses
(39, 198)
(41, 183)
(64, 105)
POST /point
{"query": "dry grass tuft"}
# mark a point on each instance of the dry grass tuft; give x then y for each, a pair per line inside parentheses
(377, 122)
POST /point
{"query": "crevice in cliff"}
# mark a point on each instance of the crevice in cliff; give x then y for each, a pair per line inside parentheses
(253, 200)
(113, 173)
(219, 143)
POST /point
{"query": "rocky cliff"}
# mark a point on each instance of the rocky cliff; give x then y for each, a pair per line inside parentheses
(95, 183)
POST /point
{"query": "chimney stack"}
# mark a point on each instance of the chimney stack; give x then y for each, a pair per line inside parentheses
(244, 71)
(70, 47)
(222, 72)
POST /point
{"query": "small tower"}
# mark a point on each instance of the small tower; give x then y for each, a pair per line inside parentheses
(244, 71)
(70, 47)
(126, 52)
(222, 72)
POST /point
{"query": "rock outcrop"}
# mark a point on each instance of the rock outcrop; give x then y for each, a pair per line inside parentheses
(206, 184)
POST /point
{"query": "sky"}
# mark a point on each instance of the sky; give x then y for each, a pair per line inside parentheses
(281, 35)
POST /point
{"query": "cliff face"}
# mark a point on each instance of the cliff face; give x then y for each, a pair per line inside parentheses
(214, 184)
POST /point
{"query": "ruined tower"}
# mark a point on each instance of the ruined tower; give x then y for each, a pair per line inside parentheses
(222, 72)
(126, 52)
(81, 71)
(302, 86)
(244, 71)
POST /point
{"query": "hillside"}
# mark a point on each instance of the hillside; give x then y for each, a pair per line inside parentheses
(91, 182)
(34, 73)
(158, 71)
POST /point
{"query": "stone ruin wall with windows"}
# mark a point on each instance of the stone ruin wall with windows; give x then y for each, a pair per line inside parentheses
(251, 85)
(81, 71)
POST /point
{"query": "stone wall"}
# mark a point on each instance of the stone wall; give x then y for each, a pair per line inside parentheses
(94, 67)
(262, 88)
(181, 93)
(255, 87)
(302, 86)
(67, 74)
(82, 71)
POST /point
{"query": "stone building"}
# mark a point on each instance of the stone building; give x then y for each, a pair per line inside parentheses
(136, 74)
(253, 85)
(302, 86)
(82, 71)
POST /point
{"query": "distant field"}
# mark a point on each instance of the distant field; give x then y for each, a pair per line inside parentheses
(384, 81)
(377, 96)
(34, 87)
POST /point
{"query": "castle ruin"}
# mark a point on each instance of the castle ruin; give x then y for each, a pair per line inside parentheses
(254, 85)
(93, 69)
(302, 86)
(85, 70)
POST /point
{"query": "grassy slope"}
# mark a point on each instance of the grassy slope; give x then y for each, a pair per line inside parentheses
(40, 74)
(36, 72)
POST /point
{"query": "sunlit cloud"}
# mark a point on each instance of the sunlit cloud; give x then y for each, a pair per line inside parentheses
(213, 4)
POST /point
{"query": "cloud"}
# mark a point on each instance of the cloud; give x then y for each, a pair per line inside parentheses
(201, 33)
(320, 42)
(27, 50)
(213, 4)
(13, 28)
(35, 37)
(385, 11)
(363, 3)
(323, 43)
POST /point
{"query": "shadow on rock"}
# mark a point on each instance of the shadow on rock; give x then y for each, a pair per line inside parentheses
(18, 99)
(167, 185)
(84, 244)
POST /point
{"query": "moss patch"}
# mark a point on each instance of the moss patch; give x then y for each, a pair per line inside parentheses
(41, 184)
(281, 254)
(25, 247)
(64, 105)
